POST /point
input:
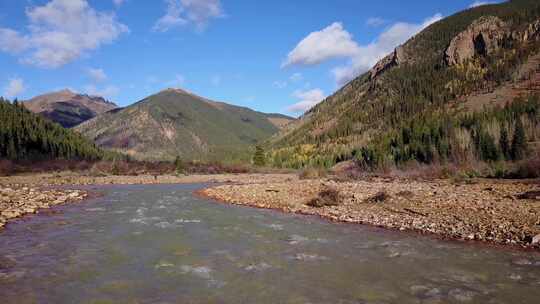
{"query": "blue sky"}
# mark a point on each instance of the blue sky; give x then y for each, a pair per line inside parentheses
(272, 56)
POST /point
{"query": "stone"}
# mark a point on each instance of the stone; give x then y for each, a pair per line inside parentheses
(536, 240)
(396, 58)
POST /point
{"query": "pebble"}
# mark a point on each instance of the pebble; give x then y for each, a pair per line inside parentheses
(466, 212)
(16, 201)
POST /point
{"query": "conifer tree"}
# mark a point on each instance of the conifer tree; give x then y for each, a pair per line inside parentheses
(519, 142)
(259, 159)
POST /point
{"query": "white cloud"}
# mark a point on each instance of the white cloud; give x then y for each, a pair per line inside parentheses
(480, 3)
(330, 42)
(12, 42)
(280, 84)
(118, 2)
(308, 99)
(296, 77)
(108, 92)
(97, 75)
(178, 81)
(181, 12)
(375, 21)
(14, 87)
(60, 32)
(367, 56)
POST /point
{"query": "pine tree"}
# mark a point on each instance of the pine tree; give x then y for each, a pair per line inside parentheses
(519, 142)
(259, 159)
(505, 143)
(179, 165)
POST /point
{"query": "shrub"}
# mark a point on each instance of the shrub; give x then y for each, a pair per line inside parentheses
(7, 167)
(259, 158)
(328, 196)
(312, 173)
(179, 165)
(378, 197)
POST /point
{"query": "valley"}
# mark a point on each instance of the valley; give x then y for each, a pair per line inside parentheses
(406, 170)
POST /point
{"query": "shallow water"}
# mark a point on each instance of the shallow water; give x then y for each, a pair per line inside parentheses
(159, 244)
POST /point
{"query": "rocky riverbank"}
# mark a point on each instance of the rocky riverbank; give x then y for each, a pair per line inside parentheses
(486, 210)
(24, 194)
(17, 200)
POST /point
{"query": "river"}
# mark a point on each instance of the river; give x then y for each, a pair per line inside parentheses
(160, 244)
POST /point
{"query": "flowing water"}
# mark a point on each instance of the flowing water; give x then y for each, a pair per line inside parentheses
(160, 244)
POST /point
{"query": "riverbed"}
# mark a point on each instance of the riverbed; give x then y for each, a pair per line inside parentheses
(162, 244)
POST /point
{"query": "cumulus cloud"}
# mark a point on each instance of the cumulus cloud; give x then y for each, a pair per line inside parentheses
(366, 56)
(335, 42)
(12, 42)
(60, 32)
(108, 92)
(182, 12)
(375, 21)
(480, 3)
(14, 87)
(307, 100)
(331, 42)
(97, 75)
(118, 2)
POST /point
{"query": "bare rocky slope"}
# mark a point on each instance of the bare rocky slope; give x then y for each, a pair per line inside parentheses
(68, 108)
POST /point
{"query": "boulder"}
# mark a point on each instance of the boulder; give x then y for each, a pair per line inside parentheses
(536, 240)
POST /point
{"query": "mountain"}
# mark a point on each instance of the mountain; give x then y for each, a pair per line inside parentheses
(175, 123)
(446, 95)
(68, 108)
(28, 136)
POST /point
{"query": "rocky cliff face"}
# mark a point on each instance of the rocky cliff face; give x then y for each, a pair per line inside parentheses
(397, 57)
(484, 37)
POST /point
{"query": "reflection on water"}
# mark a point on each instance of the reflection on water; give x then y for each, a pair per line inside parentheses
(159, 244)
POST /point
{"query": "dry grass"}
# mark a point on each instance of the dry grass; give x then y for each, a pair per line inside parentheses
(312, 173)
(119, 167)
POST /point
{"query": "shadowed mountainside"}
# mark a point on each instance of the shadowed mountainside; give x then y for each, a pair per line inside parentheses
(68, 108)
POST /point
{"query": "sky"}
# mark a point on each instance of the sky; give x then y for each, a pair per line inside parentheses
(280, 56)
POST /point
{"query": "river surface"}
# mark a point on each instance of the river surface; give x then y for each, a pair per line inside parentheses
(160, 244)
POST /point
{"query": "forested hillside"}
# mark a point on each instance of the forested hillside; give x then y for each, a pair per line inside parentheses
(27, 136)
(417, 104)
(176, 123)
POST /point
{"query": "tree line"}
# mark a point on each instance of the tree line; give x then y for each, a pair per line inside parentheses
(27, 136)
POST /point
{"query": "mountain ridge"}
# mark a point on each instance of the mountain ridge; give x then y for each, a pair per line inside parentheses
(67, 107)
(415, 81)
(175, 122)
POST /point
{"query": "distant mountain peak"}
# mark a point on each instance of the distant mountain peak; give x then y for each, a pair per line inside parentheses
(68, 108)
(175, 122)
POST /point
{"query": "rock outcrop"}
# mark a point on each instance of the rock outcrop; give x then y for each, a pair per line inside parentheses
(394, 59)
(482, 37)
(485, 36)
